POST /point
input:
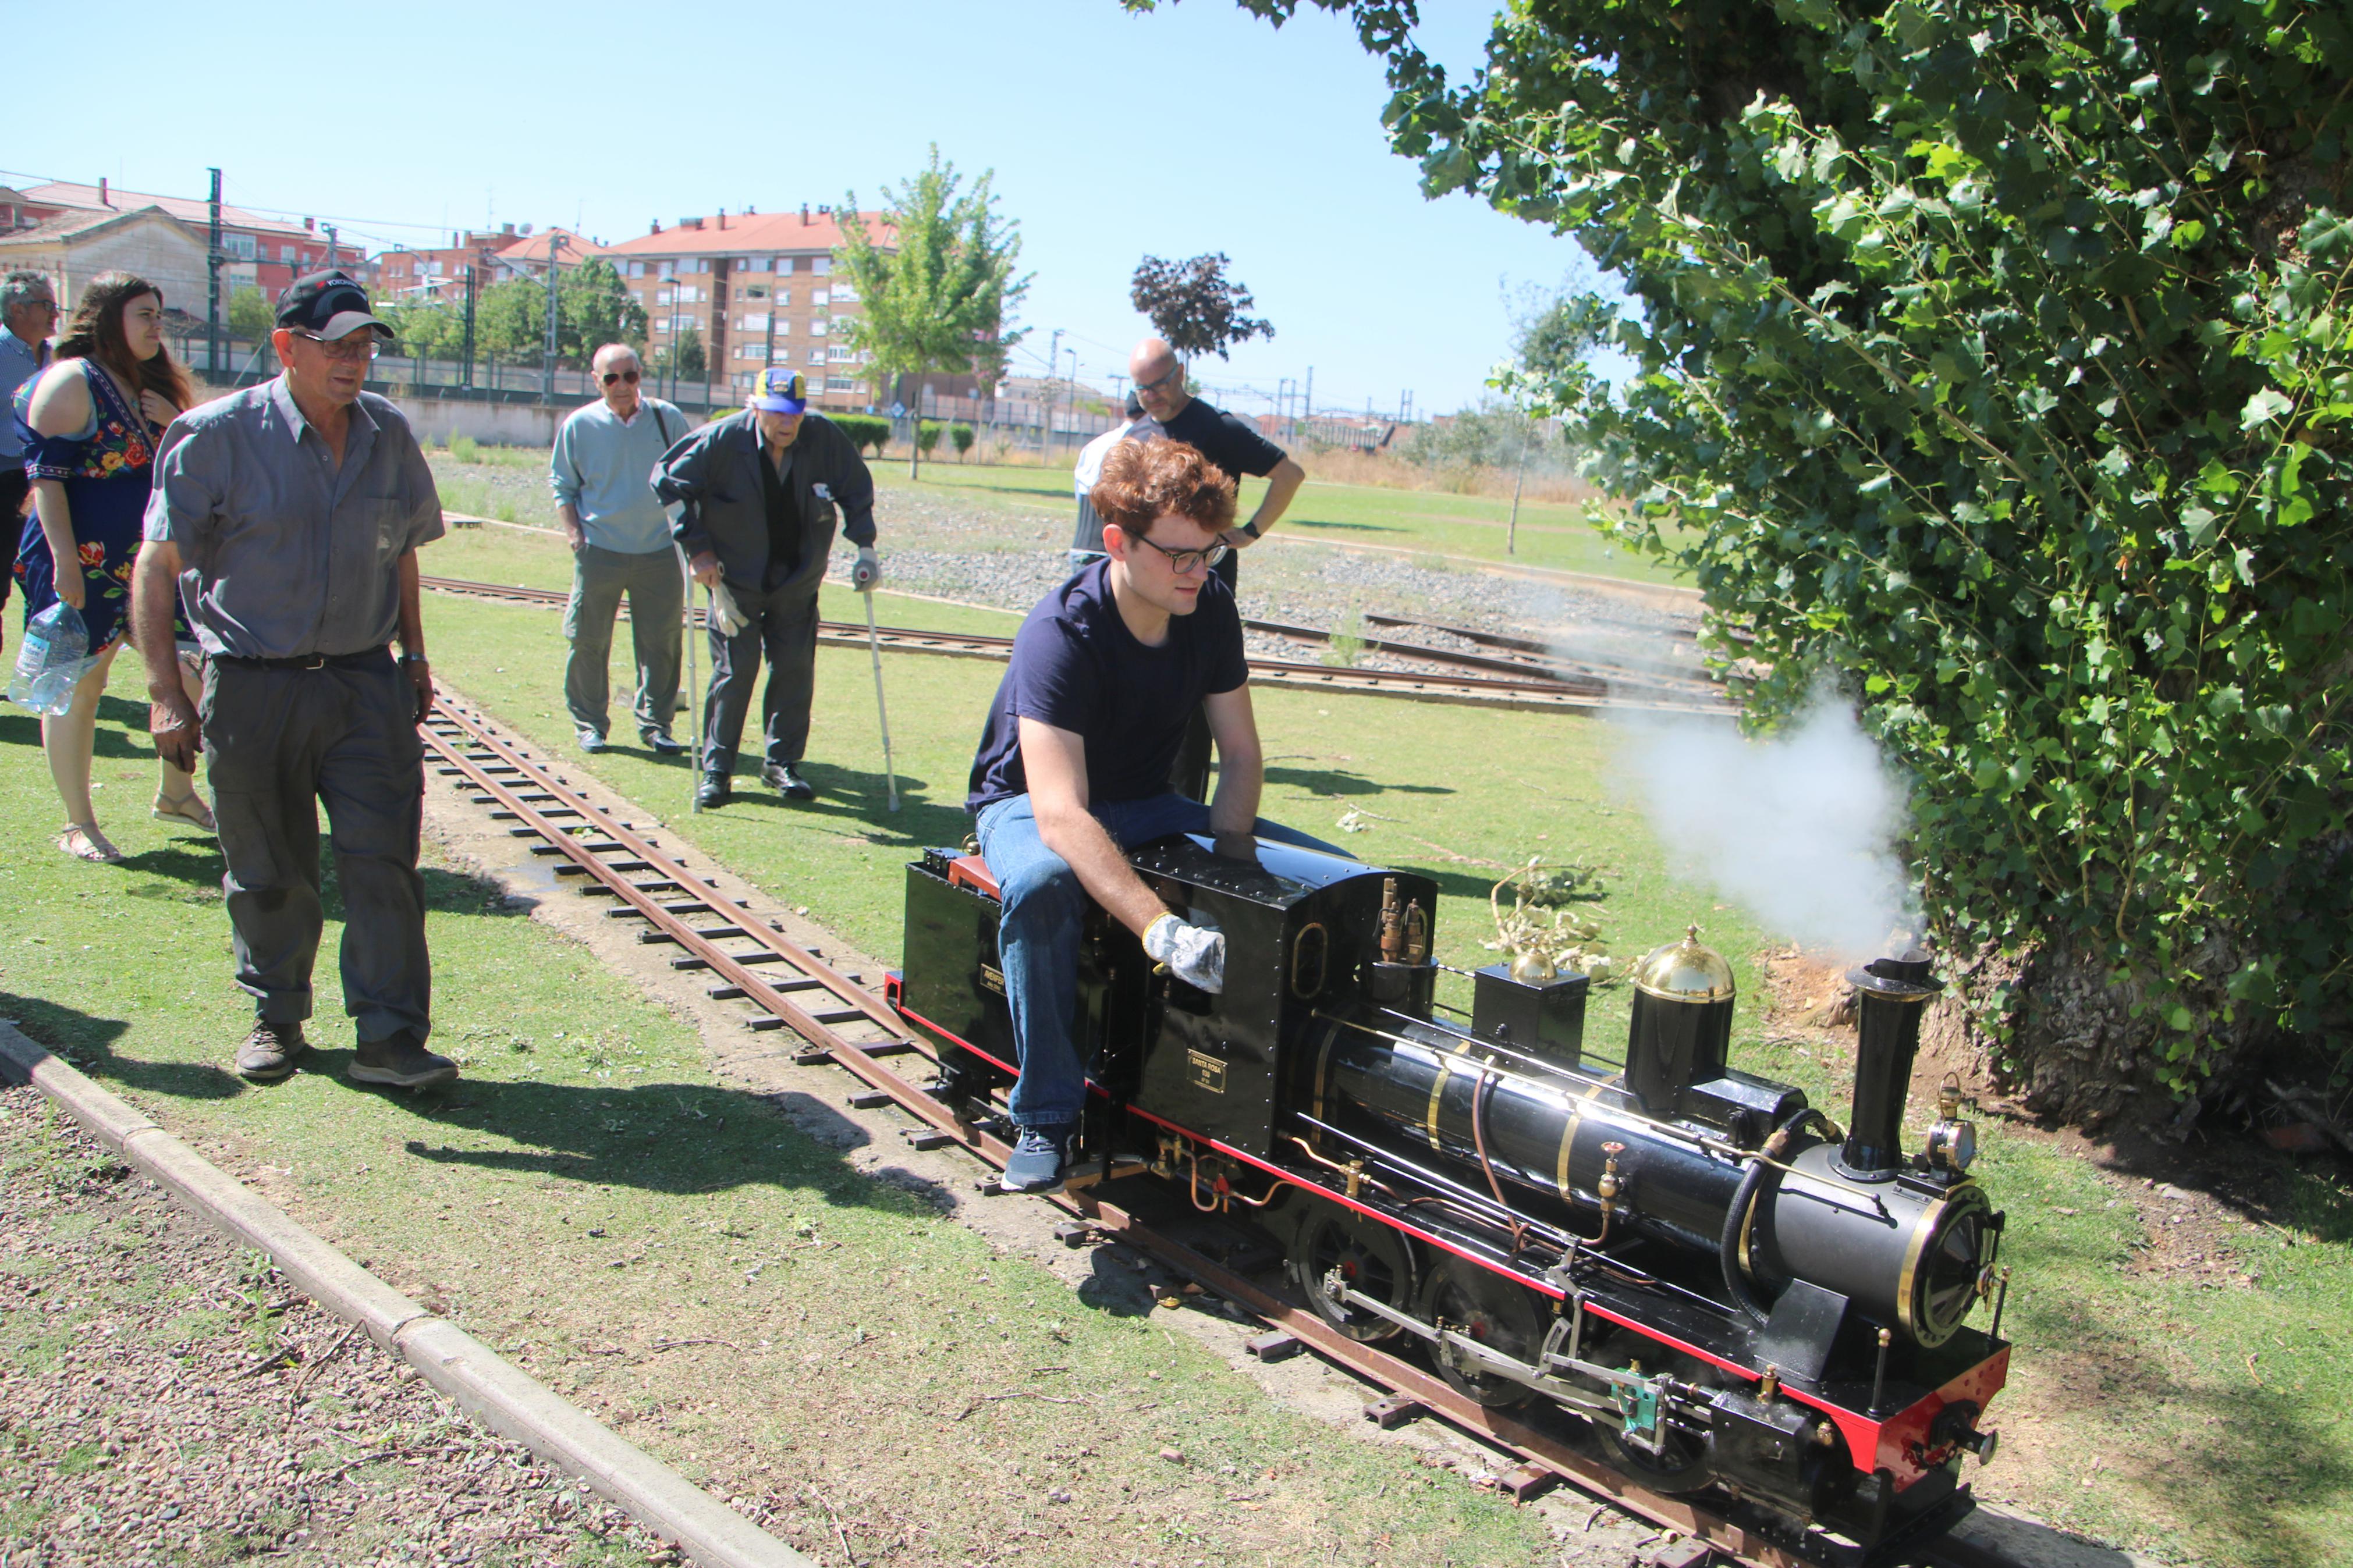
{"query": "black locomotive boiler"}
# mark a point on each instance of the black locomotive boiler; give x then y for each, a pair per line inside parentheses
(1733, 1292)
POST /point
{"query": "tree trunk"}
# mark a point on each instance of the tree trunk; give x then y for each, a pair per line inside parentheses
(2076, 1051)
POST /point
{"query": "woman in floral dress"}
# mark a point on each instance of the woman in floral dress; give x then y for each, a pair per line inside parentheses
(91, 423)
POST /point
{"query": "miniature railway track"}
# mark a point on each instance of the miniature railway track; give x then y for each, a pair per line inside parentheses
(841, 1022)
(1528, 687)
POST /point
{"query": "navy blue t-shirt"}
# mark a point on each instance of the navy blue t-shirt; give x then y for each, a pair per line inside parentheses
(1076, 667)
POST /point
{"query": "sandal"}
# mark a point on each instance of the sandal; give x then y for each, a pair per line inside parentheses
(188, 807)
(83, 841)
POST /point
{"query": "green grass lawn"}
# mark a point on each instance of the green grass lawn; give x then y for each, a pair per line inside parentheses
(2210, 1405)
(1551, 533)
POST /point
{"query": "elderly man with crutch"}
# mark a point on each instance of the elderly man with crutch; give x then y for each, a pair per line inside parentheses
(759, 494)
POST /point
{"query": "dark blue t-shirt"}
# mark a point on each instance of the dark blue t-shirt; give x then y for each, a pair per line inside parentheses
(1076, 667)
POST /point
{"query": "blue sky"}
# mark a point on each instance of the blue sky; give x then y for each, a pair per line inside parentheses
(1194, 129)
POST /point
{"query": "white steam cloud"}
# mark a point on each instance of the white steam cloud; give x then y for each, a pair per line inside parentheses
(1798, 828)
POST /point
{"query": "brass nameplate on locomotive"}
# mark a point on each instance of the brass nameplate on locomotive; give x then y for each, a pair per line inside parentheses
(1207, 1072)
(992, 979)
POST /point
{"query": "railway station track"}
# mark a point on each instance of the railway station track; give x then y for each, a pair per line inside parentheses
(1530, 691)
(842, 1023)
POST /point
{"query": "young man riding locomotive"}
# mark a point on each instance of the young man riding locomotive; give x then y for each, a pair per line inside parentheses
(1073, 766)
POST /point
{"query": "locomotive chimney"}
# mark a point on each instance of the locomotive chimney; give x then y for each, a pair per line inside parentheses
(1889, 993)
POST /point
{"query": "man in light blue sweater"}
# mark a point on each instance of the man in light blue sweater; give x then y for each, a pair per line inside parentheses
(602, 472)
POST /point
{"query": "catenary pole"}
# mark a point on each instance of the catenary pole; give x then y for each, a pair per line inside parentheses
(547, 375)
(213, 259)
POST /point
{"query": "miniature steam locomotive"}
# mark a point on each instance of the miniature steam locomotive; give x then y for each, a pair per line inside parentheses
(1693, 1259)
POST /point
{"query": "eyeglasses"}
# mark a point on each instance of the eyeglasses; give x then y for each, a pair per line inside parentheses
(1172, 374)
(353, 350)
(1185, 561)
(613, 375)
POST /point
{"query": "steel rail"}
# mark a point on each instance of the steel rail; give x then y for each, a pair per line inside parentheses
(542, 805)
(1533, 692)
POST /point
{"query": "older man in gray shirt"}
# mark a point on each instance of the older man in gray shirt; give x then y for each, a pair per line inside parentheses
(290, 515)
(602, 473)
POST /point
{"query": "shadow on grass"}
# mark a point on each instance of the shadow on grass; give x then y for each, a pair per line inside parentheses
(2258, 1472)
(115, 717)
(859, 801)
(672, 1138)
(1296, 522)
(1335, 782)
(87, 1040)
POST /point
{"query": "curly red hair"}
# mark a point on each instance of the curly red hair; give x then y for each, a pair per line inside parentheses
(1148, 480)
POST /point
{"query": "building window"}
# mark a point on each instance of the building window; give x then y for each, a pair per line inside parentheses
(636, 269)
(817, 326)
(661, 268)
(820, 296)
(784, 328)
(842, 383)
(240, 246)
(843, 294)
(784, 296)
(821, 265)
(757, 323)
(662, 295)
(817, 356)
(755, 290)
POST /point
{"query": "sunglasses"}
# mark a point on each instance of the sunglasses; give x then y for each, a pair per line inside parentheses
(1183, 562)
(613, 375)
(1173, 371)
(361, 345)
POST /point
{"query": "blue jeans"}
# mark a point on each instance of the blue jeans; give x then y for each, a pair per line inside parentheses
(1037, 935)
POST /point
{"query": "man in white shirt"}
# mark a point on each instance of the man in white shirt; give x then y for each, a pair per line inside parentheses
(602, 473)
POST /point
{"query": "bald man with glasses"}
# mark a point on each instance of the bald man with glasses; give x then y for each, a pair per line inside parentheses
(602, 473)
(28, 314)
(290, 515)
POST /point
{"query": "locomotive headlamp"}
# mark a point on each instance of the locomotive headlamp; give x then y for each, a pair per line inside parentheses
(1952, 1146)
(1952, 1142)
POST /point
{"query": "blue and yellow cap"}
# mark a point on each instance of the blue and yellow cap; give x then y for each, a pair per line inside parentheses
(780, 391)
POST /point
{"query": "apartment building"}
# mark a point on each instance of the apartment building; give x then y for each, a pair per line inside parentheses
(263, 253)
(759, 289)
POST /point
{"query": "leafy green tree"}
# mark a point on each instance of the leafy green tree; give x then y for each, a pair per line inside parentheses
(594, 306)
(510, 321)
(961, 435)
(687, 355)
(249, 314)
(1192, 305)
(430, 327)
(1993, 365)
(937, 282)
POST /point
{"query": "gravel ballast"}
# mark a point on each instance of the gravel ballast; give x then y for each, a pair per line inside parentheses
(166, 1398)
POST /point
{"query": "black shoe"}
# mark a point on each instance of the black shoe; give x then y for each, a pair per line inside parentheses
(400, 1061)
(780, 777)
(661, 745)
(270, 1052)
(717, 791)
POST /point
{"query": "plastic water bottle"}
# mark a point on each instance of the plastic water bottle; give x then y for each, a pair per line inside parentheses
(50, 662)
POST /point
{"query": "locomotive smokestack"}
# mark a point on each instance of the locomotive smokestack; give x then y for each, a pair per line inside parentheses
(1889, 993)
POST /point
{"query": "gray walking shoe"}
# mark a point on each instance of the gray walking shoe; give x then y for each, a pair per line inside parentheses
(270, 1052)
(400, 1061)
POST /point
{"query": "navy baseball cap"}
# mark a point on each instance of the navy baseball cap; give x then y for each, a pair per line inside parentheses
(328, 305)
(780, 391)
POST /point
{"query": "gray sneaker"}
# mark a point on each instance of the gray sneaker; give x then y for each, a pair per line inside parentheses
(400, 1061)
(270, 1052)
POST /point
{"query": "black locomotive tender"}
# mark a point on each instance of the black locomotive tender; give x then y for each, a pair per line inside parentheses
(1690, 1257)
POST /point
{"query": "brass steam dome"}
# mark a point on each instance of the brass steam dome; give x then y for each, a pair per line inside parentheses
(1686, 971)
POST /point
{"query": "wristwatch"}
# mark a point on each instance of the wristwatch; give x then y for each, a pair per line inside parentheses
(1248, 529)
(414, 658)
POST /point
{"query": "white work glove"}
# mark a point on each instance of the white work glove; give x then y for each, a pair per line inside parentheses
(867, 571)
(1196, 954)
(723, 612)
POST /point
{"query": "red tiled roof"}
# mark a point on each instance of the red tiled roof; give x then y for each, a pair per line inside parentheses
(66, 225)
(67, 194)
(751, 234)
(571, 247)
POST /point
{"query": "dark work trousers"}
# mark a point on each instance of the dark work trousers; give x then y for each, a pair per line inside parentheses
(657, 606)
(280, 741)
(782, 625)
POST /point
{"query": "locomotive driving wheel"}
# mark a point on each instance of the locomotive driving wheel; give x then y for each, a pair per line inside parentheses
(1484, 1306)
(1369, 1256)
(1682, 1463)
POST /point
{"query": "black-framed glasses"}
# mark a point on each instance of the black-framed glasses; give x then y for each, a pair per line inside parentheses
(1183, 562)
(1172, 374)
(613, 375)
(358, 347)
